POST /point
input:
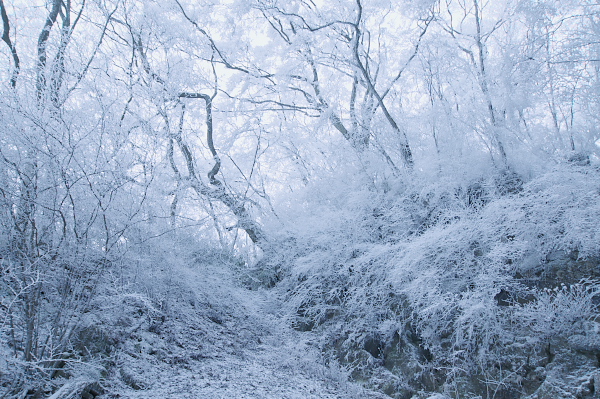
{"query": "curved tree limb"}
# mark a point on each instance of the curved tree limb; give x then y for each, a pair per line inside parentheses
(234, 203)
(209, 135)
(217, 192)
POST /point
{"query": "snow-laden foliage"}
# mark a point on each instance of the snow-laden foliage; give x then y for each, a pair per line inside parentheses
(453, 288)
(417, 180)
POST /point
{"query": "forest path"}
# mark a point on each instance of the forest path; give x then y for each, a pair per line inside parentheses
(221, 340)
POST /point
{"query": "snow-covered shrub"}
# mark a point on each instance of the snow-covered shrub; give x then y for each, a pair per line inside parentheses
(467, 282)
(448, 293)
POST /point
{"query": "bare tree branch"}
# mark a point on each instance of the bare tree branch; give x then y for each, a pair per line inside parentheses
(13, 50)
(405, 147)
(216, 50)
(412, 56)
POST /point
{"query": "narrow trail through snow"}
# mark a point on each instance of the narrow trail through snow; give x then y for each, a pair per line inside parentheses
(221, 340)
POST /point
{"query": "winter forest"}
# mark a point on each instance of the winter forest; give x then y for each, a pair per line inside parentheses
(300, 199)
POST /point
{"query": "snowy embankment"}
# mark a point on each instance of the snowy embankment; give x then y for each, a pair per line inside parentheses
(482, 289)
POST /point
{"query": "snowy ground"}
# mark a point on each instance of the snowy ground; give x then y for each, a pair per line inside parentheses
(221, 340)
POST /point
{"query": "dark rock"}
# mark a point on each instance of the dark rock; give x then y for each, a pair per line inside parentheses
(579, 159)
(560, 267)
(215, 318)
(508, 298)
(129, 379)
(374, 345)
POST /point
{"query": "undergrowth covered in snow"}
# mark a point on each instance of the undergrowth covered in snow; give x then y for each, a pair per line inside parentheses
(482, 290)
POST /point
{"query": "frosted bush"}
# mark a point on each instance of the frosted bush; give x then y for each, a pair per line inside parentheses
(460, 278)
